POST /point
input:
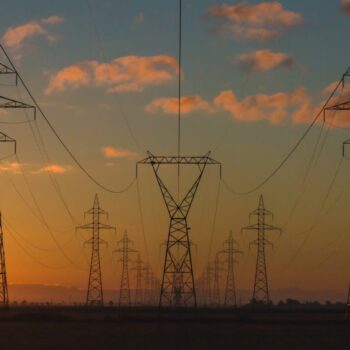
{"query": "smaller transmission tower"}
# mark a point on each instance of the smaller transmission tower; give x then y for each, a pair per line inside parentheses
(216, 288)
(261, 287)
(139, 275)
(124, 296)
(208, 275)
(4, 299)
(230, 252)
(147, 296)
(95, 291)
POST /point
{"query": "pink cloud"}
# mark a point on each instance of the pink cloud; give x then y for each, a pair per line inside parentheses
(262, 21)
(13, 167)
(189, 104)
(14, 37)
(54, 169)
(111, 152)
(345, 6)
(265, 60)
(273, 108)
(124, 74)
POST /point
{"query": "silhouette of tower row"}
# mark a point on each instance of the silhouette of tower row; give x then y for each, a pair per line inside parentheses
(261, 286)
(139, 276)
(95, 291)
(124, 250)
(230, 289)
(4, 299)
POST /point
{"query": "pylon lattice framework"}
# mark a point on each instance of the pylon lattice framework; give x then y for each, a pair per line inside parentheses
(94, 295)
(7, 103)
(177, 287)
(230, 290)
(124, 292)
(139, 276)
(261, 287)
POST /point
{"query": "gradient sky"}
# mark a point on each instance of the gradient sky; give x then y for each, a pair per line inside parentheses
(253, 80)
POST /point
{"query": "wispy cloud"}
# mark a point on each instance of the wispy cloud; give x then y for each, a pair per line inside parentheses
(263, 21)
(265, 60)
(53, 169)
(139, 19)
(170, 105)
(345, 7)
(124, 74)
(15, 37)
(273, 108)
(11, 167)
(112, 152)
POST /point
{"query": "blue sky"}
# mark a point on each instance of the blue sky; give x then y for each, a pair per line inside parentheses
(89, 119)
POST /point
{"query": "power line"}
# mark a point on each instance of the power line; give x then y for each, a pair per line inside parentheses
(67, 149)
(291, 152)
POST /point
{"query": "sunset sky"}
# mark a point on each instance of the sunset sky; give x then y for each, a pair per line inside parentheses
(255, 74)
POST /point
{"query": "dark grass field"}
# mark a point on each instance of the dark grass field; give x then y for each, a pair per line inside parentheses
(78, 328)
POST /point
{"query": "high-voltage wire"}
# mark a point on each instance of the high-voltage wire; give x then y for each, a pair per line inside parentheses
(64, 145)
(293, 149)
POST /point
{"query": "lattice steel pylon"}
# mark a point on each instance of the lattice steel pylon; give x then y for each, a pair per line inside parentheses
(124, 250)
(4, 297)
(230, 289)
(177, 287)
(139, 276)
(94, 295)
(216, 287)
(261, 287)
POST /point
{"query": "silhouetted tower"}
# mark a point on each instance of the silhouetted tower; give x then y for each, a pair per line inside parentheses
(230, 289)
(139, 274)
(208, 275)
(261, 287)
(147, 287)
(95, 291)
(216, 287)
(124, 292)
(4, 299)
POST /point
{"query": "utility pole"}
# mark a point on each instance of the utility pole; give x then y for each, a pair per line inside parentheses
(230, 289)
(4, 299)
(95, 291)
(139, 274)
(124, 296)
(261, 287)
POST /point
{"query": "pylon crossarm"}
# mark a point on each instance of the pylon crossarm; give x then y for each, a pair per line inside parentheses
(343, 106)
(6, 102)
(345, 143)
(4, 69)
(5, 138)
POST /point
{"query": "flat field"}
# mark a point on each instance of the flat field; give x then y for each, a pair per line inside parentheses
(111, 328)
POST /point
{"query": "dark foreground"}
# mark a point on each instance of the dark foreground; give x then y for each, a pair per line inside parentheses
(79, 328)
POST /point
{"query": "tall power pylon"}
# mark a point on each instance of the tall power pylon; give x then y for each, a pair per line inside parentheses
(94, 295)
(124, 250)
(230, 289)
(177, 287)
(261, 286)
(4, 298)
(139, 274)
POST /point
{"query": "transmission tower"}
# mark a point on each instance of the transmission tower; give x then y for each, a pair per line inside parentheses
(94, 295)
(230, 289)
(216, 288)
(4, 299)
(261, 287)
(139, 275)
(147, 297)
(177, 287)
(124, 293)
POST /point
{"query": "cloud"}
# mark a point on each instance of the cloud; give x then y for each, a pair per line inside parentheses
(139, 18)
(189, 104)
(263, 21)
(273, 108)
(111, 152)
(14, 37)
(124, 74)
(53, 169)
(265, 60)
(345, 6)
(11, 167)
(52, 20)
